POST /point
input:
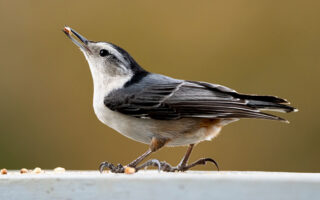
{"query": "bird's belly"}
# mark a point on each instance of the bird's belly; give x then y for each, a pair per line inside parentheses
(178, 132)
(201, 131)
(143, 130)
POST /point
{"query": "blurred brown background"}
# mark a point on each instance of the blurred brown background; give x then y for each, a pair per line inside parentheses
(264, 47)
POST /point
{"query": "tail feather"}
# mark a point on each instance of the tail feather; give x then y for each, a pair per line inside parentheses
(263, 105)
(270, 99)
(258, 115)
(271, 103)
(243, 105)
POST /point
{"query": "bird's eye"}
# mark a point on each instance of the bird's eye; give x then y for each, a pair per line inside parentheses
(104, 53)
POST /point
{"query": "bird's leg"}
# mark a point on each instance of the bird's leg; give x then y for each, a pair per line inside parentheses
(156, 144)
(166, 166)
(182, 166)
(140, 158)
(184, 161)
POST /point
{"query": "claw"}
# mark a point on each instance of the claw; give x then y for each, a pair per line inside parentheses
(158, 164)
(116, 169)
(104, 165)
(201, 161)
(213, 161)
(167, 167)
(153, 162)
(119, 166)
(101, 167)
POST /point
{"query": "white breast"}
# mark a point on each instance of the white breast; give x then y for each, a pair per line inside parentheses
(134, 128)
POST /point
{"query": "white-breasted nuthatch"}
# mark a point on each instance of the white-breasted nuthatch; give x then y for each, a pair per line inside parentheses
(162, 111)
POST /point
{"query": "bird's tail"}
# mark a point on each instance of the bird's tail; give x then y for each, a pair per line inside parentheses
(270, 103)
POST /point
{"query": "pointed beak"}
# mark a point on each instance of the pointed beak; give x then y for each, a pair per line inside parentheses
(82, 43)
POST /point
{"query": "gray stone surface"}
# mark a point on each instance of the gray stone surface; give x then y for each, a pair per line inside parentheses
(78, 185)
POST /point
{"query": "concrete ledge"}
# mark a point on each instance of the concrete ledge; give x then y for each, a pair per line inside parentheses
(79, 185)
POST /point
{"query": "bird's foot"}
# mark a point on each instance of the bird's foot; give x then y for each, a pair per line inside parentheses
(124, 169)
(201, 161)
(164, 166)
(115, 169)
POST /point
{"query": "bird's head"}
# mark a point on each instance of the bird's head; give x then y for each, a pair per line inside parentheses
(108, 62)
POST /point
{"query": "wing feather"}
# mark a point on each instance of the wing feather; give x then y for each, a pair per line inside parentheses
(182, 99)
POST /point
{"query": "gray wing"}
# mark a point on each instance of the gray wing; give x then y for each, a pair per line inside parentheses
(171, 99)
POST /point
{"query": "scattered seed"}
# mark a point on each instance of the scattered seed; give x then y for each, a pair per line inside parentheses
(4, 171)
(37, 170)
(23, 171)
(67, 30)
(129, 170)
(59, 170)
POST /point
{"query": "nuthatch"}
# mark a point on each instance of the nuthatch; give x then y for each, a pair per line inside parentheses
(161, 111)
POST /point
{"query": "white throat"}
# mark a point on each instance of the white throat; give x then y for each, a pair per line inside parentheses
(103, 85)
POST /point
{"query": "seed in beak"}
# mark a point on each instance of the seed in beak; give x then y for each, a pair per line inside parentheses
(67, 30)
